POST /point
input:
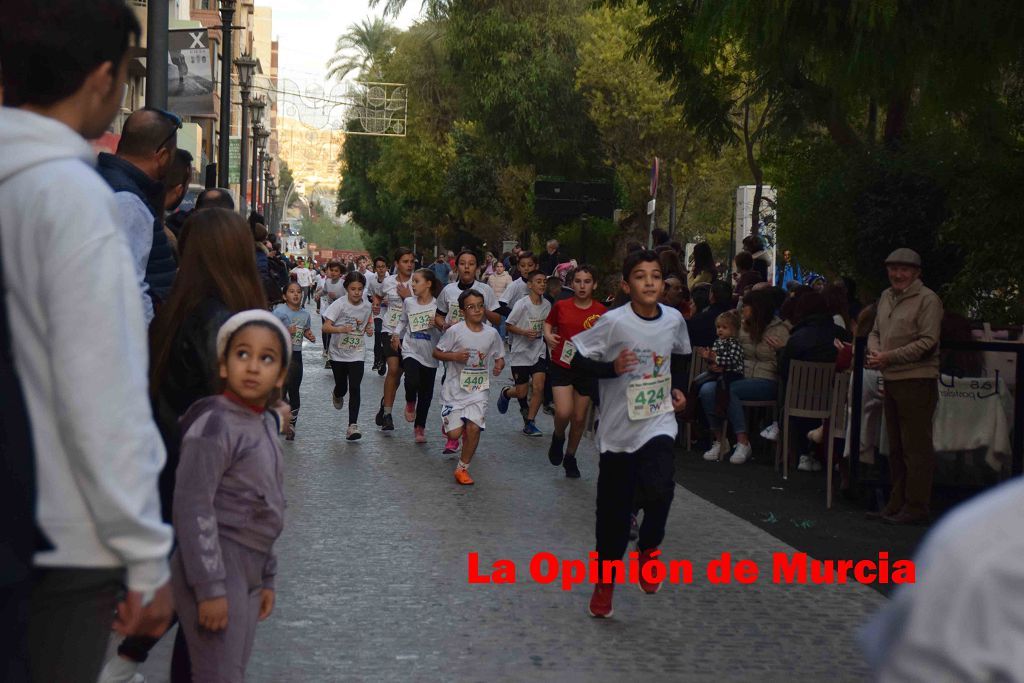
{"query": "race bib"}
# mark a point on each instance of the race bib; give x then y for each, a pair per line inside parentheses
(394, 317)
(647, 398)
(455, 315)
(350, 341)
(297, 335)
(423, 320)
(568, 353)
(474, 379)
(537, 326)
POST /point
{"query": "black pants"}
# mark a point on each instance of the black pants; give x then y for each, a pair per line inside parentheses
(348, 375)
(69, 623)
(419, 387)
(645, 476)
(14, 615)
(326, 337)
(378, 342)
(293, 382)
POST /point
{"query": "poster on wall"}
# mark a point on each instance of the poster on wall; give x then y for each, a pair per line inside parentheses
(190, 89)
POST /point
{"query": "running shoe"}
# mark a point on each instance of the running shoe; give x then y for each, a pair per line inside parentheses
(338, 401)
(421, 434)
(378, 419)
(555, 449)
(741, 454)
(715, 452)
(327, 363)
(808, 463)
(572, 471)
(647, 586)
(389, 424)
(462, 476)
(601, 600)
(771, 432)
(353, 433)
(503, 401)
(382, 369)
(530, 429)
(548, 409)
(410, 412)
(451, 446)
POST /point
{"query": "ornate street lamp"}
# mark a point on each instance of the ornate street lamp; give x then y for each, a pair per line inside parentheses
(245, 66)
(272, 199)
(256, 112)
(227, 15)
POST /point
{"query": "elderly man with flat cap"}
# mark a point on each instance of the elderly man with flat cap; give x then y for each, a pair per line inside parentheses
(904, 346)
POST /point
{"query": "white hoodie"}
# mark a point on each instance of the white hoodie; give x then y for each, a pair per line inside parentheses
(79, 344)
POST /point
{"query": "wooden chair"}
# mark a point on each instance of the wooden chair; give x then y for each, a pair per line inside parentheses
(808, 394)
(698, 364)
(836, 424)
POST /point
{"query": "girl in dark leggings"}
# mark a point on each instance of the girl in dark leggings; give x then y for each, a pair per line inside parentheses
(349, 320)
(416, 336)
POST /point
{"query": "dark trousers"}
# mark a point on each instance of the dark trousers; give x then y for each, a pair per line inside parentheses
(378, 342)
(293, 382)
(326, 337)
(14, 618)
(419, 387)
(644, 477)
(348, 375)
(69, 622)
(909, 411)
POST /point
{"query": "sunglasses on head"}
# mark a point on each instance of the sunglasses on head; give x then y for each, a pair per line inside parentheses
(171, 118)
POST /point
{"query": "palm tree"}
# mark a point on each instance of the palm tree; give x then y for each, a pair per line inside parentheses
(363, 48)
(434, 10)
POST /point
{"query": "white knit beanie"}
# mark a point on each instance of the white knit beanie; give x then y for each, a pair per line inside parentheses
(232, 324)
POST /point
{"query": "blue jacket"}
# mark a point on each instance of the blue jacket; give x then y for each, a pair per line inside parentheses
(123, 176)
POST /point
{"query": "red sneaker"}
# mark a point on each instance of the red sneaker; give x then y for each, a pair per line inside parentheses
(601, 600)
(646, 586)
(410, 411)
(451, 446)
(421, 435)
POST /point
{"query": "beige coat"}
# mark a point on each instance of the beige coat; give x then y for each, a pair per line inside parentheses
(908, 327)
(761, 361)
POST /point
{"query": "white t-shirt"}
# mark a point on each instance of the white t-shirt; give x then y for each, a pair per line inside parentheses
(526, 314)
(389, 292)
(418, 332)
(514, 292)
(448, 300)
(635, 406)
(373, 288)
(352, 346)
(302, 276)
(333, 290)
(466, 384)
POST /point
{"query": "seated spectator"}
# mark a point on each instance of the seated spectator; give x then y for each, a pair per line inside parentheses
(703, 268)
(701, 296)
(745, 276)
(702, 325)
(670, 265)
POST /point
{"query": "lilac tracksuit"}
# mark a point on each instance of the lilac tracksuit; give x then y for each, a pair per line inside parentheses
(228, 510)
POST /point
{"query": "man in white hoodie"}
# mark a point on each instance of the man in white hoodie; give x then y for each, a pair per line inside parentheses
(78, 340)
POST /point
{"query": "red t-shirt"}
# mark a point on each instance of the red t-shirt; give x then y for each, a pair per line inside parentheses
(568, 319)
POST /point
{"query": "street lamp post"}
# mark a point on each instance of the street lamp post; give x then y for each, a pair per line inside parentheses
(272, 200)
(266, 176)
(245, 66)
(261, 187)
(157, 21)
(227, 15)
(256, 111)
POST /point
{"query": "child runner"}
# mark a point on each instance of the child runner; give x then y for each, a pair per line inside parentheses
(467, 347)
(229, 500)
(394, 291)
(349, 319)
(304, 277)
(333, 289)
(526, 263)
(572, 391)
(374, 281)
(298, 321)
(529, 364)
(416, 336)
(448, 312)
(629, 351)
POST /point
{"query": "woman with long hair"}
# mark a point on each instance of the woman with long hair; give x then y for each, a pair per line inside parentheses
(703, 268)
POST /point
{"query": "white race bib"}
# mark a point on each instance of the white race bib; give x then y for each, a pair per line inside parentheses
(394, 317)
(647, 398)
(297, 335)
(568, 353)
(350, 341)
(537, 326)
(474, 379)
(424, 320)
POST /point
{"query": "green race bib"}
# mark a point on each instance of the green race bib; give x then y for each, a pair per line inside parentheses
(647, 398)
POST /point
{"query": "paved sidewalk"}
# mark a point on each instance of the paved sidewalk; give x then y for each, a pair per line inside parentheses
(373, 571)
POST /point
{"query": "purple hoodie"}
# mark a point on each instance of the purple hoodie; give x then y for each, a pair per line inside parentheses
(230, 483)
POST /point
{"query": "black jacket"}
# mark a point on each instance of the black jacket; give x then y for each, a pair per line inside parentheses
(548, 262)
(702, 326)
(812, 339)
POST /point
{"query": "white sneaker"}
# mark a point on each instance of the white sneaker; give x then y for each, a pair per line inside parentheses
(715, 452)
(771, 432)
(338, 402)
(353, 433)
(741, 454)
(816, 435)
(808, 463)
(120, 670)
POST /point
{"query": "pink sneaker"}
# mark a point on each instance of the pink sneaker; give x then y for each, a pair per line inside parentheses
(421, 436)
(451, 446)
(410, 411)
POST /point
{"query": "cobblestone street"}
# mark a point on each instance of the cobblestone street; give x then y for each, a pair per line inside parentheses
(372, 580)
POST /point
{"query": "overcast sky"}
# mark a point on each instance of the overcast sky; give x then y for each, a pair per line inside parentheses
(308, 30)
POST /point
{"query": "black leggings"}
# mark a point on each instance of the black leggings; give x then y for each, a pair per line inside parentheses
(348, 375)
(326, 337)
(419, 387)
(378, 341)
(293, 382)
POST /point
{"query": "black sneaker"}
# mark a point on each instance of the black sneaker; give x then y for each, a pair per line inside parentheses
(548, 409)
(571, 470)
(555, 450)
(389, 424)
(378, 419)
(382, 369)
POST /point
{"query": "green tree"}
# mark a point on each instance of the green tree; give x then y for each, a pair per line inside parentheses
(363, 48)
